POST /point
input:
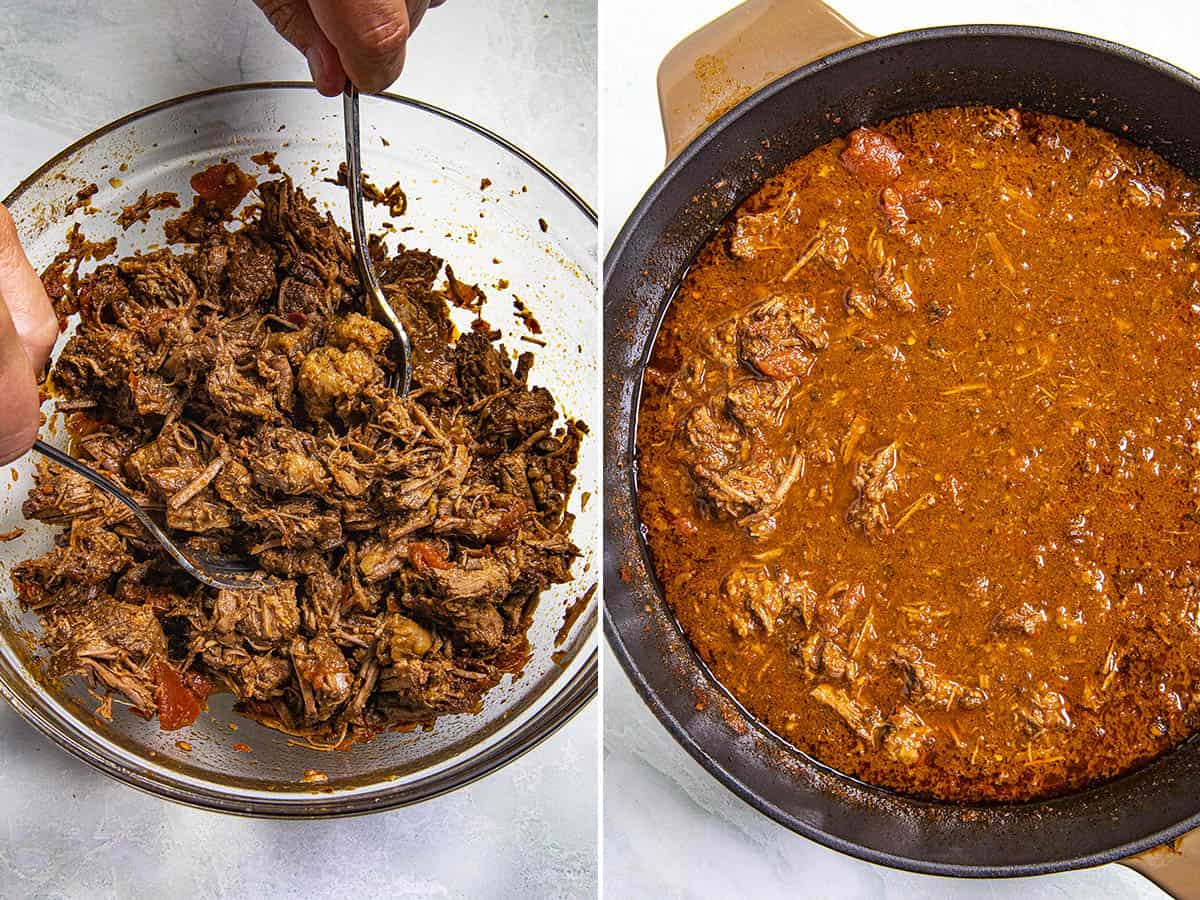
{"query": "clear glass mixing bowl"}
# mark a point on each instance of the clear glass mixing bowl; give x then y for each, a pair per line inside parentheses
(488, 234)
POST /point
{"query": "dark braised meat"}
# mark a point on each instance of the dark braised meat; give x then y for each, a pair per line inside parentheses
(919, 454)
(140, 209)
(238, 391)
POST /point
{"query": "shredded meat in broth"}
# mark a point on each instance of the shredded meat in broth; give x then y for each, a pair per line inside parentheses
(920, 454)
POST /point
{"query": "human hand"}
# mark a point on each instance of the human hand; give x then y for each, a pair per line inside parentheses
(28, 329)
(360, 40)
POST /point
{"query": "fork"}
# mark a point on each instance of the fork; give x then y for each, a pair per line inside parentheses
(214, 571)
(380, 307)
(231, 572)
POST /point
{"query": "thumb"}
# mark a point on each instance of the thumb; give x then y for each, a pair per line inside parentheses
(370, 37)
(295, 23)
(19, 405)
(21, 289)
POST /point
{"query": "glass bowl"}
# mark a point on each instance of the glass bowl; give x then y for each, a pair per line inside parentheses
(525, 227)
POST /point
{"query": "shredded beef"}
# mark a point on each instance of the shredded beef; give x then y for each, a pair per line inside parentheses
(239, 391)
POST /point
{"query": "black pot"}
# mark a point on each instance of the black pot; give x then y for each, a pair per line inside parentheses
(1111, 86)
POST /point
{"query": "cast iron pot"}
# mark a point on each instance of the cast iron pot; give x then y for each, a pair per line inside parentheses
(1111, 86)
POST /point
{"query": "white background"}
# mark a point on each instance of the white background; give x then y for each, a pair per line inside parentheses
(522, 68)
(670, 830)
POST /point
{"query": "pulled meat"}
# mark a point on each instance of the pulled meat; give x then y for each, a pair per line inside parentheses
(744, 482)
(780, 338)
(761, 595)
(239, 391)
(875, 481)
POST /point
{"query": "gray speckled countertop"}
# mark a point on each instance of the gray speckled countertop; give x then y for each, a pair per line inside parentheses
(526, 71)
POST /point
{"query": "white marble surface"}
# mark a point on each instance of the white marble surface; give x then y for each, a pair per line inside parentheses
(522, 68)
(671, 831)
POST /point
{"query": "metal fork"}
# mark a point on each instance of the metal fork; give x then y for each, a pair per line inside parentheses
(215, 571)
(380, 307)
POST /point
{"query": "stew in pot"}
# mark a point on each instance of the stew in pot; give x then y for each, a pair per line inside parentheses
(919, 454)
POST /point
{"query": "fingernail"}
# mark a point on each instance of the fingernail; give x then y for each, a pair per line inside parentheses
(316, 66)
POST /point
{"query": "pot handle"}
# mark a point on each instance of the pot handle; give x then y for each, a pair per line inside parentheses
(1174, 867)
(710, 71)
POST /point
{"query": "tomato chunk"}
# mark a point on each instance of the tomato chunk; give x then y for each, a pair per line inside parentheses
(872, 157)
(178, 704)
(223, 186)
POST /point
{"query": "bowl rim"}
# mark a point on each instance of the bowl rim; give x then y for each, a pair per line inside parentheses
(563, 703)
